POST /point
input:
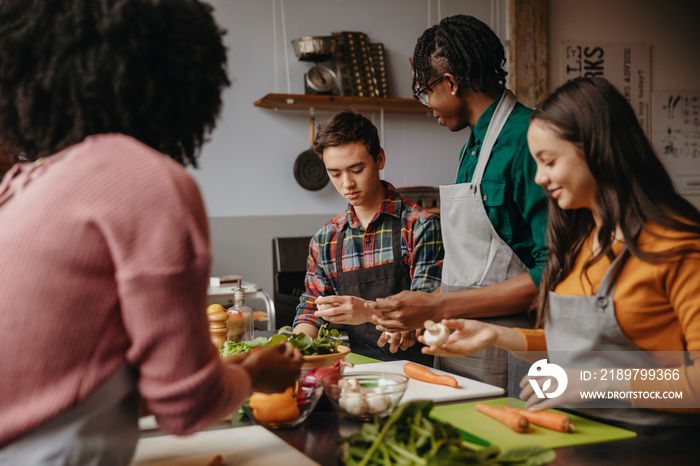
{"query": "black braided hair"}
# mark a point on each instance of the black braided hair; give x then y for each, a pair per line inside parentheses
(464, 46)
(150, 69)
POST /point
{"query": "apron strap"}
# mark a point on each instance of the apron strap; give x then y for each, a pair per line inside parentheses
(500, 116)
(396, 235)
(339, 249)
(607, 285)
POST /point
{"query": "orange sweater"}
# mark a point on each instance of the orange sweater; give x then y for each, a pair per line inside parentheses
(656, 305)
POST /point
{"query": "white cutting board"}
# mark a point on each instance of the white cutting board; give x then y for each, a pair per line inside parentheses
(417, 390)
(239, 446)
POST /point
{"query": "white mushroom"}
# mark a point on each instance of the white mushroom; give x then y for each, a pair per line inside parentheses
(358, 400)
(435, 333)
(354, 403)
(349, 385)
(377, 402)
(398, 336)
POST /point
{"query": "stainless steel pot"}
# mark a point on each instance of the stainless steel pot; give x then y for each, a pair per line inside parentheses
(315, 48)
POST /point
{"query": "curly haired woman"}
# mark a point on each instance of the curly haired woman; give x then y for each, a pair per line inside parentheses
(104, 240)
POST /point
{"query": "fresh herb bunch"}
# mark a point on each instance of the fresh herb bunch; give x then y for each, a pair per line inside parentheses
(326, 342)
(411, 437)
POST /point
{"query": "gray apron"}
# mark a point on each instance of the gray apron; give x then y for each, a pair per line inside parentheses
(371, 283)
(583, 331)
(475, 256)
(100, 431)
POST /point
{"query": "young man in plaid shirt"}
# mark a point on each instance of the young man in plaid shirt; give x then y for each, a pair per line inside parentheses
(382, 244)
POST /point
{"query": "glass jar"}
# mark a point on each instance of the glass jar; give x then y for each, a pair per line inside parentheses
(240, 318)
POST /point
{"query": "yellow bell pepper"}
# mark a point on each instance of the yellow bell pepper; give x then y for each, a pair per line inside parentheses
(275, 408)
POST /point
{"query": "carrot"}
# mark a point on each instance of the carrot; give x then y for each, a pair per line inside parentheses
(515, 421)
(424, 374)
(547, 419)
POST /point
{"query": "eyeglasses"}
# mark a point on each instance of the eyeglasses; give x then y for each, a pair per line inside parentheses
(420, 93)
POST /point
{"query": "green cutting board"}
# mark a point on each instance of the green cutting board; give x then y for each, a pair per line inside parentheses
(359, 359)
(466, 417)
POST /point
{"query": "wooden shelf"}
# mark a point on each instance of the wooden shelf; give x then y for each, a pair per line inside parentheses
(337, 102)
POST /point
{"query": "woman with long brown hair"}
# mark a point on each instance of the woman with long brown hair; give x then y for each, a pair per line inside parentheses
(624, 261)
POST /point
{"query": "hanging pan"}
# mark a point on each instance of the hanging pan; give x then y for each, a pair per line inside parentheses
(309, 170)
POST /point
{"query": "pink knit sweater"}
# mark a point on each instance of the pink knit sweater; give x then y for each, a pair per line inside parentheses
(104, 259)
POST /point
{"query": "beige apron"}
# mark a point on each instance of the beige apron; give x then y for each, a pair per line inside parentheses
(100, 431)
(475, 256)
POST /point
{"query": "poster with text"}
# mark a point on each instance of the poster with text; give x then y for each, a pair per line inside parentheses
(626, 66)
(676, 136)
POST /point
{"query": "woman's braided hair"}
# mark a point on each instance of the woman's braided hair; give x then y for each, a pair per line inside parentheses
(464, 46)
(150, 69)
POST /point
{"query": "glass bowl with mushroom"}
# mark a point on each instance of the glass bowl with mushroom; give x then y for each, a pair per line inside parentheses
(363, 395)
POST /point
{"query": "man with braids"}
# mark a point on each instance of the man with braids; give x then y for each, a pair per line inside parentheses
(494, 217)
(104, 241)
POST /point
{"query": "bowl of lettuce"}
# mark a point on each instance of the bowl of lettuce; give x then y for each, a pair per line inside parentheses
(321, 351)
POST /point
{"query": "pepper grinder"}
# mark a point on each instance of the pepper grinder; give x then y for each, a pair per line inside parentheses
(218, 320)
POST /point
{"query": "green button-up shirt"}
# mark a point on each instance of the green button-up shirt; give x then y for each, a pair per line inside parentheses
(515, 205)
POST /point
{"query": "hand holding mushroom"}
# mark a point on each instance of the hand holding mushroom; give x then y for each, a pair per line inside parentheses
(469, 336)
(435, 334)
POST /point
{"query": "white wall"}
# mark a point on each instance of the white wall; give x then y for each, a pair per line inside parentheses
(247, 168)
(671, 27)
(246, 175)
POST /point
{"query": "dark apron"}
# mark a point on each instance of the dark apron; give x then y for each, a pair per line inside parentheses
(371, 283)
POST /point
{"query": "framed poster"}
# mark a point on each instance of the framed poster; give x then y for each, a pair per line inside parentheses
(676, 136)
(626, 66)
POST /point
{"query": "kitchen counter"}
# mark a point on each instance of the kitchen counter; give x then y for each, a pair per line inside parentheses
(317, 436)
